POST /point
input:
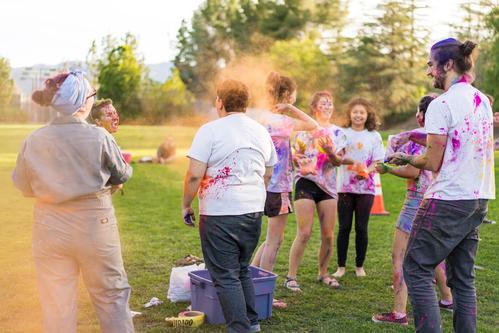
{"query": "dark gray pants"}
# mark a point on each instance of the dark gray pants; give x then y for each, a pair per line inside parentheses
(444, 230)
(228, 243)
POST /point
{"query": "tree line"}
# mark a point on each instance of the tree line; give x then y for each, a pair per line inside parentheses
(304, 39)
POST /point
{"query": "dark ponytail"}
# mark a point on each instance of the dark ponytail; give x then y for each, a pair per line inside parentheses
(279, 87)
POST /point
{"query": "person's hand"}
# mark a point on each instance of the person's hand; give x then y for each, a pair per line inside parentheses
(326, 144)
(360, 169)
(381, 168)
(115, 188)
(281, 108)
(189, 216)
(399, 159)
(305, 164)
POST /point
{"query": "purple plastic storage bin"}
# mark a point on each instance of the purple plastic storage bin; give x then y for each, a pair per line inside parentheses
(204, 296)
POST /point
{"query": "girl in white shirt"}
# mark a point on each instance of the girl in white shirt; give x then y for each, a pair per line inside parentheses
(356, 182)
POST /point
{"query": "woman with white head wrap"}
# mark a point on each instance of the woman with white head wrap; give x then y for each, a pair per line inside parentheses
(69, 167)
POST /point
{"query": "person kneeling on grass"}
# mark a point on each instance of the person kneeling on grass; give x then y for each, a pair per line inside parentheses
(231, 162)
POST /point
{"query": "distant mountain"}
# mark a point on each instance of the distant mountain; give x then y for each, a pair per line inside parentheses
(28, 79)
(160, 72)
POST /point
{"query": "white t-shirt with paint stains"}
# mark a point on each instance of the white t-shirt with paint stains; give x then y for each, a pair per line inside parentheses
(464, 114)
(362, 147)
(237, 150)
(324, 173)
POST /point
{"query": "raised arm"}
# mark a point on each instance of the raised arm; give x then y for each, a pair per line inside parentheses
(303, 122)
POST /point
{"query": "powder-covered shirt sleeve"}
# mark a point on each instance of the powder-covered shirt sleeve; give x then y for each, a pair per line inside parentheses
(340, 140)
(438, 118)
(202, 144)
(378, 148)
(20, 176)
(120, 171)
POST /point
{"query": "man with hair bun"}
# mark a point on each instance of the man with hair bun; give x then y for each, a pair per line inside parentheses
(460, 151)
(231, 162)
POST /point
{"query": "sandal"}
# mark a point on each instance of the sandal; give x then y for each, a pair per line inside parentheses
(329, 281)
(279, 304)
(292, 284)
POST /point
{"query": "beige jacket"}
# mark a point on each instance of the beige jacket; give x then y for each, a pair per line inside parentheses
(68, 159)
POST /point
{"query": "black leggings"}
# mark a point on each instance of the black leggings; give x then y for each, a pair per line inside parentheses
(361, 204)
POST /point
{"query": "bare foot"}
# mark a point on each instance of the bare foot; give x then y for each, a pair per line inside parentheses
(360, 272)
(339, 272)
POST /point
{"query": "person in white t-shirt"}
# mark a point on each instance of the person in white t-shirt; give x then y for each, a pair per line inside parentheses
(280, 122)
(460, 151)
(231, 162)
(317, 154)
(356, 182)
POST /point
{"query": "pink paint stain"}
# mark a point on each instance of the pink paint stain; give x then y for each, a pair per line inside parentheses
(217, 180)
(465, 79)
(321, 161)
(477, 100)
(456, 145)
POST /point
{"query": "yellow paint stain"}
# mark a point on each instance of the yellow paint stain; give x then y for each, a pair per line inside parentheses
(360, 145)
(301, 145)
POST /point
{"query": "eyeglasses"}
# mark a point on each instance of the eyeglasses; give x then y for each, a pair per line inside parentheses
(92, 94)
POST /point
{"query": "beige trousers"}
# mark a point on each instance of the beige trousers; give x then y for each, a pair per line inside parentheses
(80, 235)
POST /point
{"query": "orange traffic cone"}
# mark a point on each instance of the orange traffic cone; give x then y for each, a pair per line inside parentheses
(378, 207)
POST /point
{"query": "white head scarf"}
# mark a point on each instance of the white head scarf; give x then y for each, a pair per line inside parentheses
(72, 94)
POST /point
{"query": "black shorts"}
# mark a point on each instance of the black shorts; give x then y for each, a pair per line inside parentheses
(307, 189)
(278, 204)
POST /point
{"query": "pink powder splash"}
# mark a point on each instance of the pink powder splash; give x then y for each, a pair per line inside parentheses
(208, 182)
(456, 145)
(321, 161)
(466, 78)
(477, 100)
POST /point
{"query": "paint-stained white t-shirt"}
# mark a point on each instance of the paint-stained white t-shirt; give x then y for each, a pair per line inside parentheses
(316, 165)
(464, 114)
(237, 150)
(364, 147)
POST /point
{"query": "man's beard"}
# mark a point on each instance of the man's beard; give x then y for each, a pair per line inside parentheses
(439, 79)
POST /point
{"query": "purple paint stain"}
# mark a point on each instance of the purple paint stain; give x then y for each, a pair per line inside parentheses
(477, 100)
(419, 136)
(456, 144)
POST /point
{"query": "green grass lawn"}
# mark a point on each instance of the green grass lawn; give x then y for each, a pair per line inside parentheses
(153, 237)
